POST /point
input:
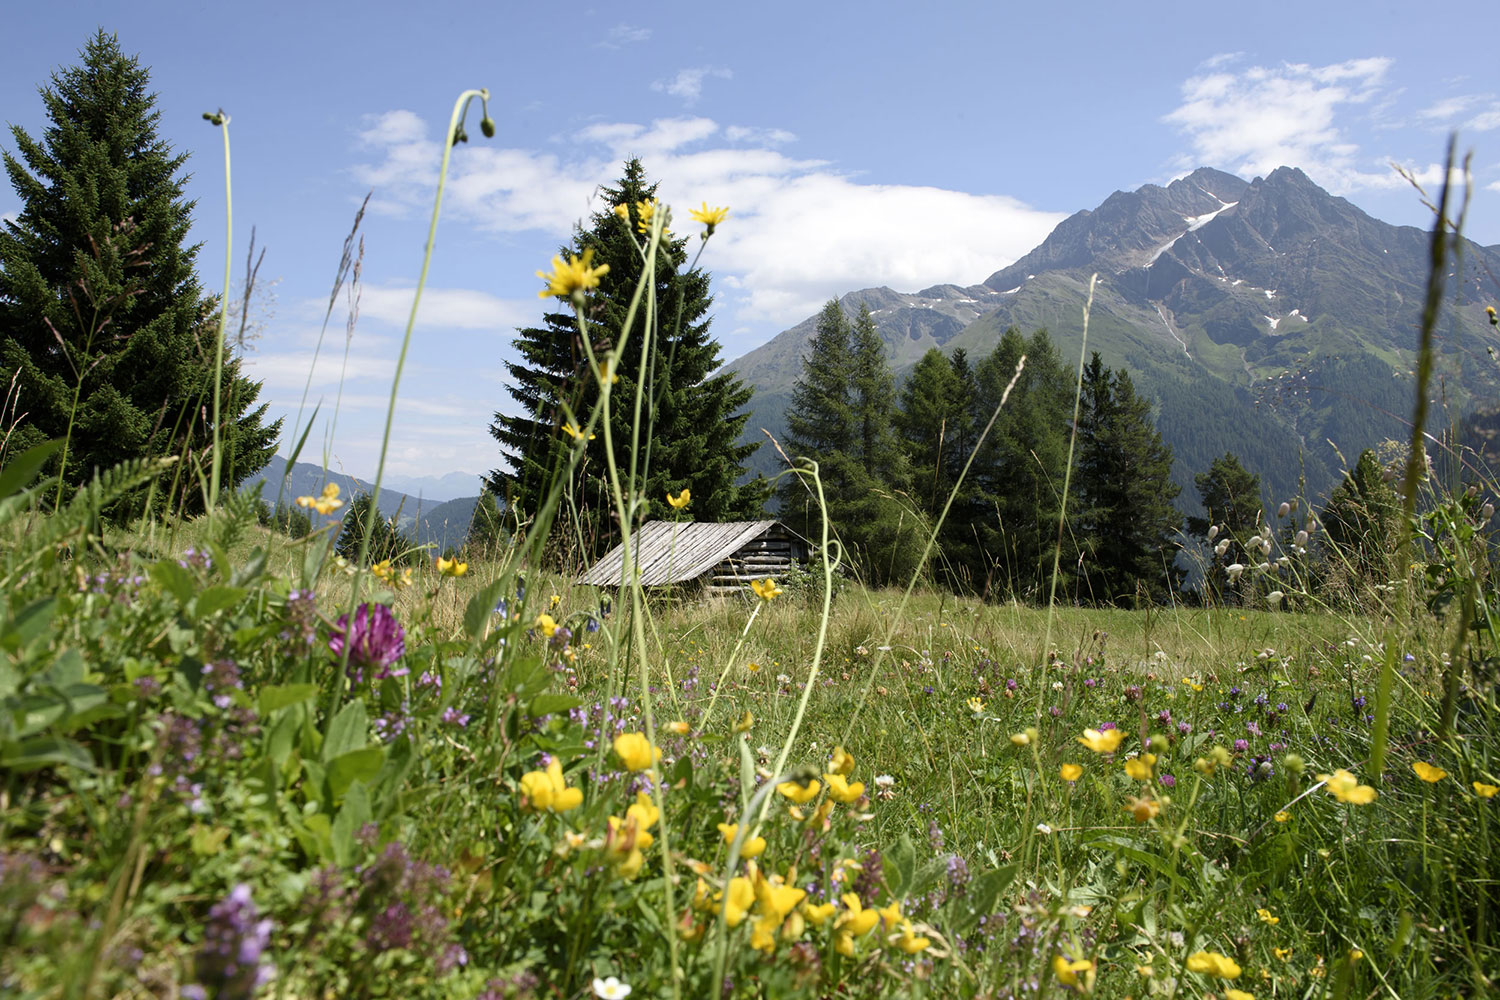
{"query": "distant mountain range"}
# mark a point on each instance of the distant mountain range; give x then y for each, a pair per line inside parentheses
(1264, 317)
(441, 523)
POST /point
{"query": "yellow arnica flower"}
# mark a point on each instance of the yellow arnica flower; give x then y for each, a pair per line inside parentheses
(1105, 742)
(1266, 917)
(908, 941)
(765, 589)
(753, 847)
(841, 762)
(1139, 768)
(1485, 791)
(635, 751)
(451, 567)
(710, 217)
(1211, 963)
(327, 503)
(1070, 772)
(1346, 788)
(840, 789)
(1067, 972)
(1428, 772)
(798, 793)
(571, 280)
(546, 791)
(1238, 995)
(681, 500)
(1142, 809)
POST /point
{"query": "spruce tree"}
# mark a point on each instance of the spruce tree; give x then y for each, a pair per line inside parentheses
(1232, 505)
(1360, 523)
(691, 418)
(932, 420)
(1126, 524)
(103, 324)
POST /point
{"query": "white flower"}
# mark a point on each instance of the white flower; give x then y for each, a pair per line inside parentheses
(884, 781)
(1284, 509)
(1057, 685)
(611, 988)
(1233, 570)
(1043, 828)
(1253, 543)
(1213, 532)
(1301, 539)
(1222, 547)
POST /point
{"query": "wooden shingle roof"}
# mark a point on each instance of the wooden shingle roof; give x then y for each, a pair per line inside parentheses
(673, 552)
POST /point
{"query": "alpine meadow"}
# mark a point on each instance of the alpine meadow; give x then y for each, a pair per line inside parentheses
(1123, 625)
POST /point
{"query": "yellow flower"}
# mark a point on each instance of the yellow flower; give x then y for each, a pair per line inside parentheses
(765, 589)
(571, 280)
(1485, 791)
(1282, 953)
(1139, 768)
(1105, 742)
(1071, 772)
(384, 571)
(775, 898)
(547, 791)
(605, 375)
(643, 811)
(842, 790)
(679, 728)
(1238, 995)
(1067, 972)
(645, 212)
(753, 847)
(799, 793)
(1266, 917)
(1428, 773)
(908, 941)
(1142, 809)
(976, 704)
(326, 503)
(1283, 816)
(572, 431)
(635, 751)
(451, 567)
(623, 212)
(841, 761)
(745, 722)
(1346, 788)
(681, 500)
(737, 901)
(546, 624)
(710, 217)
(855, 921)
(818, 914)
(1145, 971)
(1211, 963)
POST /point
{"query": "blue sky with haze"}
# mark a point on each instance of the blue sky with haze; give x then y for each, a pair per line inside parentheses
(856, 144)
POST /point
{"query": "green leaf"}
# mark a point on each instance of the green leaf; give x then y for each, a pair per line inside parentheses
(174, 580)
(551, 704)
(27, 625)
(283, 734)
(900, 866)
(354, 814)
(347, 731)
(525, 676)
(216, 599)
(356, 765)
(747, 772)
(984, 893)
(19, 471)
(481, 606)
(274, 698)
(45, 751)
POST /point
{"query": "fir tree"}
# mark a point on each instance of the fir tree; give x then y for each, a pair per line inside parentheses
(1360, 522)
(1232, 504)
(103, 323)
(932, 420)
(691, 418)
(1125, 523)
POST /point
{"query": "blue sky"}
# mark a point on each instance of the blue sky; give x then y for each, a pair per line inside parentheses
(856, 144)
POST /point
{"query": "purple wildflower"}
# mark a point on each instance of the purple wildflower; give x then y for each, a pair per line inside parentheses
(1240, 746)
(229, 964)
(376, 641)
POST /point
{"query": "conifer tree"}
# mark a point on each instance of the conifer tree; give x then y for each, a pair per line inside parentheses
(1360, 522)
(103, 323)
(1125, 523)
(1232, 505)
(932, 420)
(691, 418)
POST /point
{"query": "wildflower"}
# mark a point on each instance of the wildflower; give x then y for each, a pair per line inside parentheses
(1346, 788)
(842, 762)
(605, 375)
(1107, 741)
(753, 847)
(842, 790)
(1233, 571)
(765, 589)
(375, 640)
(743, 724)
(710, 217)
(1266, 917)
(1211, 963)
(1480, 789)
(1043, 829)
(1071, 772)
(635, 751)
(645, 212)
(571, 280)
(326, 503)
(1239, 994)
(1139, 768)
(681, 500)
(571, 429)
(1067, 972)
(1428, 772)
(1145, 971)
(611, 988)
(1282, 953)
(856, 921)
(229, 963)
(1020, 739)
(548, 791)
(679, 728)
(547, 625)
(800, 793)
(1274, 598)
(737, 900)
(908, 940)
(451, 567)
(976, 705)
(817, 914)
(1283, 816)
(1142, 809)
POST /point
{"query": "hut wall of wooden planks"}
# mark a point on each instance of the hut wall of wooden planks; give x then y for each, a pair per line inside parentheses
(725, 557)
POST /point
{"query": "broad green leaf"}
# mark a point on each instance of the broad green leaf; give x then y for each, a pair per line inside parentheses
(481, 606)
(27, 625)
(551, 704)
(900, 867)
(354, 814)
(347, 731)
(984, 892)
(356, 765)
(174, 580)
(21, 470)
(278, 696)
(45, 751)
(216, 599)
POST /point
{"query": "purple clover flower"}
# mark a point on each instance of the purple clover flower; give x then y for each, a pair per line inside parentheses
(376, 641)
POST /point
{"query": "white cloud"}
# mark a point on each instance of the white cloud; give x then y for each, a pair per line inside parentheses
(800, 230)
(444, 308)
(624, 34)
(1448, 108)
(1252, 121)
(9, 217)
(1486, 120)
(688, 83)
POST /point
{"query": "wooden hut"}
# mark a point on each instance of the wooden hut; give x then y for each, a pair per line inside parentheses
(724, 557)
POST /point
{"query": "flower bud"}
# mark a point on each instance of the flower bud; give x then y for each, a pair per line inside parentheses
(1213, 532)
(1284, 509)
(1159, 743)
(1293, 763)
(487, 126)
